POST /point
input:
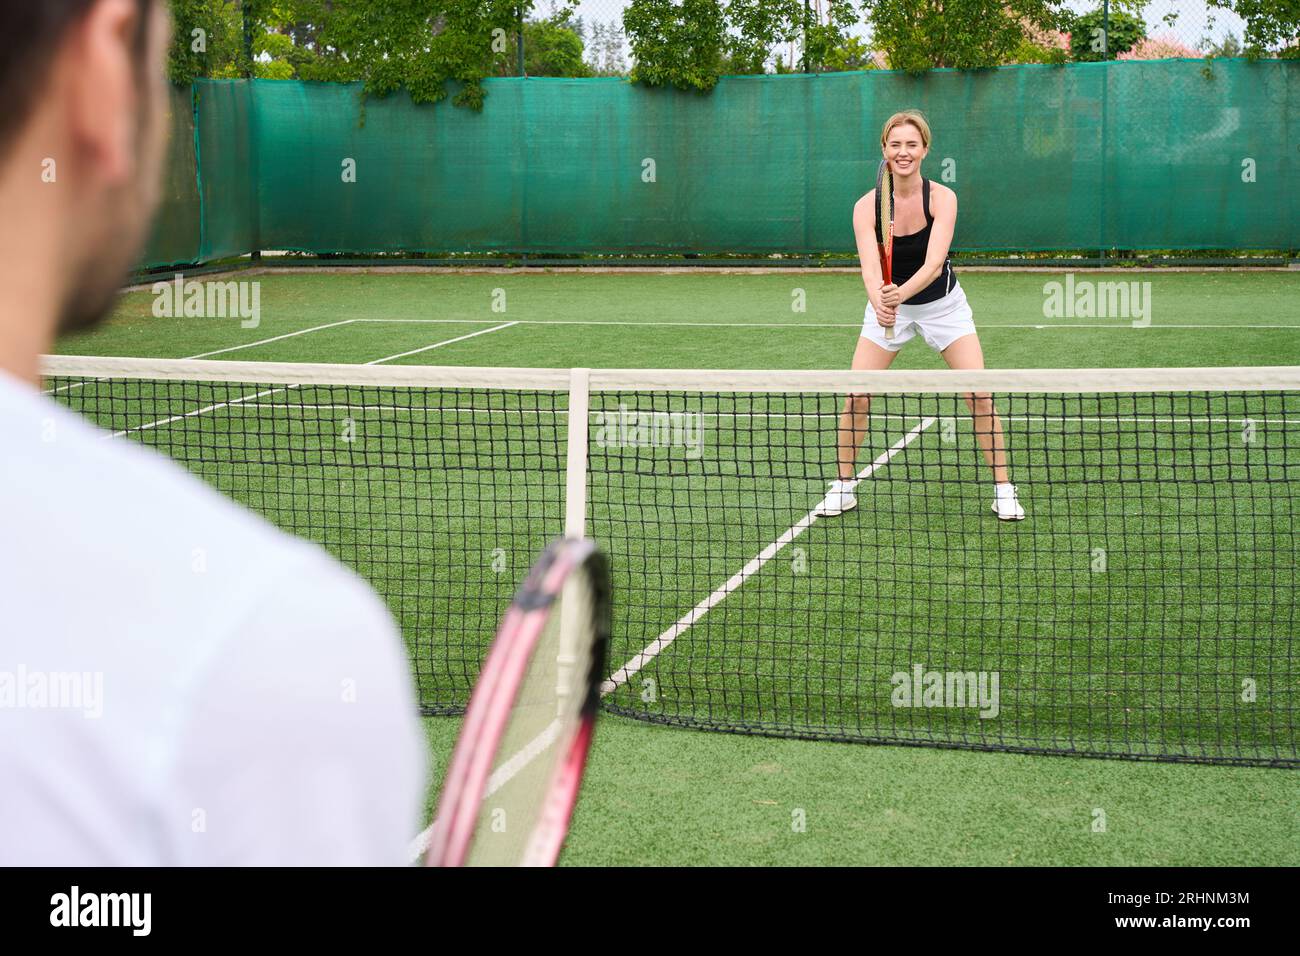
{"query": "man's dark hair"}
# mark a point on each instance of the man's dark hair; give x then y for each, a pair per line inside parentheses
(33, 30)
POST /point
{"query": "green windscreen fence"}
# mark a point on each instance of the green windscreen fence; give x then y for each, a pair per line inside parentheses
(1167, 154)
(226, 168)
(178, 223)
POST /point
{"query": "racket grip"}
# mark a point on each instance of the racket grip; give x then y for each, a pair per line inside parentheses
(889, 333)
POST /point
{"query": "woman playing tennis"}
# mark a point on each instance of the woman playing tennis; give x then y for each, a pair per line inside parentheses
(924, 299)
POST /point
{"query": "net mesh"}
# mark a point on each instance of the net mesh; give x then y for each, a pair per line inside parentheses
(1145, 606)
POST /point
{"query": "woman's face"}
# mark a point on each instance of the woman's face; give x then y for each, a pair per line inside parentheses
(904, 150)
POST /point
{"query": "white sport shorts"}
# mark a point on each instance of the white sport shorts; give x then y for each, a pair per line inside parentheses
(939, 323)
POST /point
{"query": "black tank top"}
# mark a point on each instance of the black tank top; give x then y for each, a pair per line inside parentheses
(909, 256)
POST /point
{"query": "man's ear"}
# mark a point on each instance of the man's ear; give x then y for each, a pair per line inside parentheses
(97, 76)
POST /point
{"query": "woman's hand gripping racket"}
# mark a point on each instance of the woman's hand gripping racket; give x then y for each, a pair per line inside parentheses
(885, 227)
(518, 763)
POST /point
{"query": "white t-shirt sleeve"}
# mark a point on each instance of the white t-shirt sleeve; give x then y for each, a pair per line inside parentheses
(302, 746)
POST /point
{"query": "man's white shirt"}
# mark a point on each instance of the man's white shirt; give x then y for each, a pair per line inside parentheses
(180, 683)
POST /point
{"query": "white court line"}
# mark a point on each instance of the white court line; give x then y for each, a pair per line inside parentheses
(275, 391)
(684, 623)
(526, 755)
(438, 345)
(318, 328)
(500, 777)
(277, 338)
(233, 348)
(1117, 324)
(503, 774)
(1123, 324)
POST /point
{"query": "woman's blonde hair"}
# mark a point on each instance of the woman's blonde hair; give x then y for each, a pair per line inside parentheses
(915, 117)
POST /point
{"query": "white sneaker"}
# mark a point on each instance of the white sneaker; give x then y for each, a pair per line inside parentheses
(838, 500)
(1005, 504)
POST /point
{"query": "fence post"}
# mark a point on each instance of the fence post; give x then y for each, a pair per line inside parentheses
(520, 70)
(805, 35)
(1105, 108)
(256, 216)
(248, 39)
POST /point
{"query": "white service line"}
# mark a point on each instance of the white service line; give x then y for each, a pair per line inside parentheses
(420, 845)
(1118, 324)
(526, 755)
(503, 774)
(233, 348)
(276, 338)
(628, 670)
(158, 423)
(704, 325)
(275, 391)
(438, 345)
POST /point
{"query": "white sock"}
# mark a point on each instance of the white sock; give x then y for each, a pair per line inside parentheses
(1004, 489)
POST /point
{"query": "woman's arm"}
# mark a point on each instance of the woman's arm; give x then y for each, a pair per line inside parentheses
(864, 231)
(943, 207)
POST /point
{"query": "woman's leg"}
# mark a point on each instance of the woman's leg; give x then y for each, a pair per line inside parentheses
(853, 420)
(966, 353)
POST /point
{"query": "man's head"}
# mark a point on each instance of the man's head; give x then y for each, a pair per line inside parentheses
(82, 128)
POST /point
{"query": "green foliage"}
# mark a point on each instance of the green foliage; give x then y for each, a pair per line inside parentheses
(417, 45)
(828, 45)
(1230, 47)
(756, 26)
(1086, 35)
(552, 47)
(676, 44)
(1272, 26)
(917, 35)
(690, 44)
(207, 40)
(1029, 52)
(844, 54)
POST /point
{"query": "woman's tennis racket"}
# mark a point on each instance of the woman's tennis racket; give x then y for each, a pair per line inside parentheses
(885, 226)
(518, 762)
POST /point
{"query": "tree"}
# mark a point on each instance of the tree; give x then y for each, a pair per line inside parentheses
(207, 40)
(605, 50)
(1272, 26)
(849, 53)
(827, 44)
(689, 44)
(418, 45)
(1090, 42)
(1230, 47)
(676, 44)
(552, 47)
(917, 35)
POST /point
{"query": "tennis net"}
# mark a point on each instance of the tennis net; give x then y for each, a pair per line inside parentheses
(1144, 607)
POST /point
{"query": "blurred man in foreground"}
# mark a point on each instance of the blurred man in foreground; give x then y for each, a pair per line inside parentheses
(179, 682)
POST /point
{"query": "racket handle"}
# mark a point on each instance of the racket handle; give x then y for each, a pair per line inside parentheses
(887, 273)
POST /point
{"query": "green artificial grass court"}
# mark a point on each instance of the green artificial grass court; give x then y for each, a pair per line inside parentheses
(793, 321)
(706, 321)
(660, 796)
